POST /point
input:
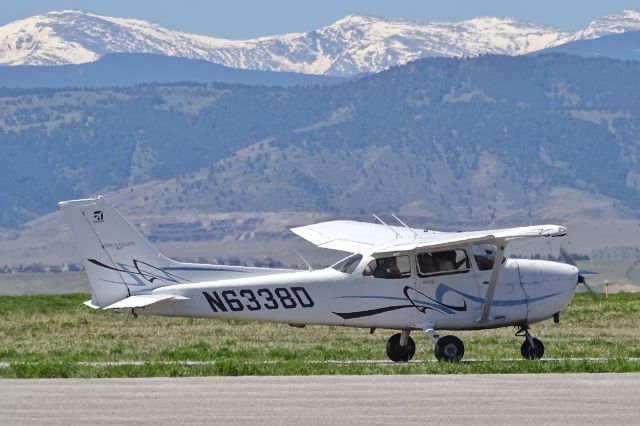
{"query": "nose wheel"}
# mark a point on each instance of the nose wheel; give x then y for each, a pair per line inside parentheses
(401, 347)
(531, 348)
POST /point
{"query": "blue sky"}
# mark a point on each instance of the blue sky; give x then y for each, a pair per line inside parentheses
(253, 18)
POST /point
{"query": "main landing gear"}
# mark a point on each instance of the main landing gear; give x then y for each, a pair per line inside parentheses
(531, 348)
(401, 347)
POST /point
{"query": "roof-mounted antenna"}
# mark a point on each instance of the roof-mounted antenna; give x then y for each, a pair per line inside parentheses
(382, 222)
(404, 224)
(304, 260)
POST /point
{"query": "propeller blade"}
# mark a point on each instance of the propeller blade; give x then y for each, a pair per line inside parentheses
(591, 291)
(581, 273)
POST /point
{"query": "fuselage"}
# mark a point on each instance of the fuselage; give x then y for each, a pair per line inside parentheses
(527, 291)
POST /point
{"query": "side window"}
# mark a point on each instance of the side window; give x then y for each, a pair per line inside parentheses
(484, 255)
(443, 262)
(389, 267)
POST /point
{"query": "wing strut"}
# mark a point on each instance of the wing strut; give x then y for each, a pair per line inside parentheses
(415, 234)
(495, 272)
(390, 228)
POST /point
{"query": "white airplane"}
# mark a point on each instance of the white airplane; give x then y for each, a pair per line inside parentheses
(397, 278)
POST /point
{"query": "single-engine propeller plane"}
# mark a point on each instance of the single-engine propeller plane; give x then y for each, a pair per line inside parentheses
(396, 278)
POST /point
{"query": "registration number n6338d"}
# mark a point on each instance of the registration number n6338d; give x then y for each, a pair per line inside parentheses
(257, 299)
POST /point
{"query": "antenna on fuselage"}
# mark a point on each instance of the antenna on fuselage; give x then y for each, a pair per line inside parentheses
(382, 222)
(404, 224)
(304, 260)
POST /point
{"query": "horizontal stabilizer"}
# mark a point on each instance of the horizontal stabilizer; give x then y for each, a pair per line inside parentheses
(90, 304)
(143, 300)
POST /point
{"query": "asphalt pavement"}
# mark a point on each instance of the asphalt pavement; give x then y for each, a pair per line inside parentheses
(425, 399)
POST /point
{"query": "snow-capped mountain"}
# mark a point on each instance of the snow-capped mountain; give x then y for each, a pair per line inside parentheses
(616, 23)
(351, 45)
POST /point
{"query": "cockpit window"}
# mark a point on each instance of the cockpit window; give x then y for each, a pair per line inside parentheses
(389, 267)
(443, 262)
(349, 264)
(484, 255)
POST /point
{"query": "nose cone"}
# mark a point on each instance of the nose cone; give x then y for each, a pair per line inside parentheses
(550, 286)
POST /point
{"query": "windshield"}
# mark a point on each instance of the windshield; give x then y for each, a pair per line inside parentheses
(349, 264)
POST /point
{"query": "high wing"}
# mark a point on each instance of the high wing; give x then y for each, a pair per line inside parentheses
(352, 236)
(362, 237)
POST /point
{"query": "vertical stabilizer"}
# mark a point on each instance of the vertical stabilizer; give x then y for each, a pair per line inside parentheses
(117, 258)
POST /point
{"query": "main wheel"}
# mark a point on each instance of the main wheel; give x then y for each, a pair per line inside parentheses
(532, 352)
(397, 353)
(449, 348)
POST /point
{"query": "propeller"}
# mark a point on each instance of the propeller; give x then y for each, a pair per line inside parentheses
(581, 272)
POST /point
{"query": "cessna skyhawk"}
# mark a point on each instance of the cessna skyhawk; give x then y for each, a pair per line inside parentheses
(396, 277)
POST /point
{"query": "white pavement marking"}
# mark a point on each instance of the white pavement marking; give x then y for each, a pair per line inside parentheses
(451, 399)
(100, 364)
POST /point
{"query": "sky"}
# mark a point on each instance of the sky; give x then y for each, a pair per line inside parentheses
(241, 19)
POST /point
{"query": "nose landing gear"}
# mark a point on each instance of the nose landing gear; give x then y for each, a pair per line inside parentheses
(531, 348)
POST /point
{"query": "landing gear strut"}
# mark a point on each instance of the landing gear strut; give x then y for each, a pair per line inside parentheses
(401, 347)
(531, 348)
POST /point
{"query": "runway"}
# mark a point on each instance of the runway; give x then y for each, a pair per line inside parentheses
(452, 399)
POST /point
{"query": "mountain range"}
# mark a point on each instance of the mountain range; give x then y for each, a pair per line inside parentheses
(480, 139)
(444, 142)
(624, 46)
(353, 45)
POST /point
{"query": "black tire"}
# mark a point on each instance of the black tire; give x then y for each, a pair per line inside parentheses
(449, 348)
(397, 353)
(532, 352)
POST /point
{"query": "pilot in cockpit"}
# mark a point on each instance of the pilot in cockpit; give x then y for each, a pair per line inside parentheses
(387, 268)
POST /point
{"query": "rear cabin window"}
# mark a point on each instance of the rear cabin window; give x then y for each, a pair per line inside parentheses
(393, 267)
(443, 262)
(349, 264)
